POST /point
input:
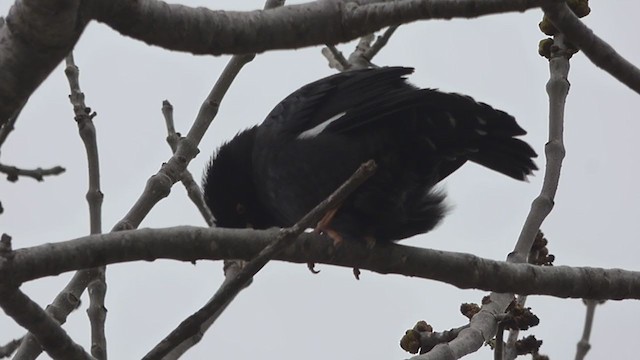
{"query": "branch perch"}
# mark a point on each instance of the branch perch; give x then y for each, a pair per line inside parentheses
(286, 236)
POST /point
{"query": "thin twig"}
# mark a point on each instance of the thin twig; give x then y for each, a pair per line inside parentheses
(193, 190)
(357, 60)
(97, 287)
(13, 173)
(192, 324)
(584, 346)
(380, 42)
(94, 279)
(336, 58)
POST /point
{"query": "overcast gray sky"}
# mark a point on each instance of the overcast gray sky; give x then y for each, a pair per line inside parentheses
(289, 313)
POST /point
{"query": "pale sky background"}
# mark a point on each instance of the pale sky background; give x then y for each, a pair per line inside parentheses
(288, 313)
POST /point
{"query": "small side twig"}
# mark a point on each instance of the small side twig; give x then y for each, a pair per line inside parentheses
(583, 345)
(192, 324)
(362, 55)
(13, 173)
(193, 190)
(336, 58)
(380, 42)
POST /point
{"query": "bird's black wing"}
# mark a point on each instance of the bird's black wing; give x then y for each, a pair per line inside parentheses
(455, 127)
(316, 105)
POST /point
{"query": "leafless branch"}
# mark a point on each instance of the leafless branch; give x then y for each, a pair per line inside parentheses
(193, 190)
(193, 324)
(231, 270)
(47, 36)
(484, 323)
(380, 42)
(63, 304)
(46, 330)
(97, 287)
(7, 349)
(597, 50)
(336, 58)
(583, 346)
(68, 299)
(159, 185)
(465, 271)
(13, 173)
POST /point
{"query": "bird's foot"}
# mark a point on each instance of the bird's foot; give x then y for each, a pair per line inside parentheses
(324, 227)
(312, 267)
(356, 273)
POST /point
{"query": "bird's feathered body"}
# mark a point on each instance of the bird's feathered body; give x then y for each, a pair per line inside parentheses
(318, 136)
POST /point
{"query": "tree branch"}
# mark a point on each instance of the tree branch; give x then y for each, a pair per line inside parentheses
(188, 243)
(583, 346)
(47, 331)
(97, 287)
(34, 38)
(7, 349)
(13, 173)
(231, 267)
(47, 33)
(193, 190)
(193, 323)
(597, 50)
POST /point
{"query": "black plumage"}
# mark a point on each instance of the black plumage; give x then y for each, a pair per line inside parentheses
(310, 143)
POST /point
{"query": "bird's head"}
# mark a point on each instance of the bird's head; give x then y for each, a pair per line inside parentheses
(228, 185)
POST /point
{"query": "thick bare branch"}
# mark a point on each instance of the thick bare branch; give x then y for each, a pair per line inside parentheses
(47, 33)
(35, 37)
(187, 243)
(293, 26)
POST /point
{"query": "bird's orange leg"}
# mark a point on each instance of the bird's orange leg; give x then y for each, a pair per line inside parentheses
(324, 227)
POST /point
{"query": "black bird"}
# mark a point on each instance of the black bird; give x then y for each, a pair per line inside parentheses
(310, 143)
